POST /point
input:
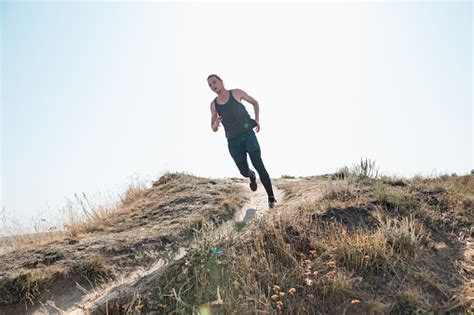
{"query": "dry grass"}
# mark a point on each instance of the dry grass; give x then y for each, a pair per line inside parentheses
(340, 245)
(28, 241)
(366, 168)
(405, 235)
(25, 285)
(339, 189)
(97, 217)
(365, 249)
(93, 267)
(83, 216)
(146, 225)
(463, 185)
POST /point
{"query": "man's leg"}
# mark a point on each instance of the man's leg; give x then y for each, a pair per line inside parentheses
(239, 155)
(257, 162)
(253, 148)
(243, 168)
(241, 162)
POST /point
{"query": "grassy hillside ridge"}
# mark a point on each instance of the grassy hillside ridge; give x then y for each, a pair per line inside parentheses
(150, 223)
(338, 244)
(350, 242)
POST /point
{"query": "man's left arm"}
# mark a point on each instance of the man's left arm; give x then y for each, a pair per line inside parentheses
(256, 108)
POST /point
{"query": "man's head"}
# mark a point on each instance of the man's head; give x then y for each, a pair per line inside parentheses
(215, 83)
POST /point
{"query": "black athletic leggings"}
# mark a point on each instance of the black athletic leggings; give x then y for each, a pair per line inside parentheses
(257, 162)
(247, 143)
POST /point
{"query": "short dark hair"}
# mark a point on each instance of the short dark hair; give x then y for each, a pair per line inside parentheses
(214, 75)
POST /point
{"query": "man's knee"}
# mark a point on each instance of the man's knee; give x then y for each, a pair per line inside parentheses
(244, 174)
(244, 169)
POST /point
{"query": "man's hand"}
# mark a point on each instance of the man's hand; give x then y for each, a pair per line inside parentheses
(257, 127)
(215, 118)
(216, 124)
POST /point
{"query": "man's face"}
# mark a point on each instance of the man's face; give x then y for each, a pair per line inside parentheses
(215, 84)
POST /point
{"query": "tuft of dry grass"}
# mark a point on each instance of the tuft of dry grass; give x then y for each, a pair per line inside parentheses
(405, 235)
(27, 241)
(83, 216)
(93, 267)
(366, 168)
(395, 199)
(87, 217)
(363, 252)
(339, 189)
(27, 284)
(462, 185)
(24, 286)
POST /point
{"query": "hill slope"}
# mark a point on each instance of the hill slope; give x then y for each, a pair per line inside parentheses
(335, 244)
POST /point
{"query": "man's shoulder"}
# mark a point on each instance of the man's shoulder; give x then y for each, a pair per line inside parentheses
(238, 92)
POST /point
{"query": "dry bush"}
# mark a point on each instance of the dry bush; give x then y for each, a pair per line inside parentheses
(343, 173)
(366, 168)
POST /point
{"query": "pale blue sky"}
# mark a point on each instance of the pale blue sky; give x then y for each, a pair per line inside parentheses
(94, 94)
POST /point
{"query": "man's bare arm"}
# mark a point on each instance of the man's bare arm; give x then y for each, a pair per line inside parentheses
(243, 95)
(256, 108)
(215, 119)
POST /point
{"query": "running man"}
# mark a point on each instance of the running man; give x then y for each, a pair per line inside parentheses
(241, 139)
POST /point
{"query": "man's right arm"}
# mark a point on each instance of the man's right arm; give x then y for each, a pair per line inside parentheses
(215, 119)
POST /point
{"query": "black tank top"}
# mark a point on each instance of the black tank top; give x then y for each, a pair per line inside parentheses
(235, 118)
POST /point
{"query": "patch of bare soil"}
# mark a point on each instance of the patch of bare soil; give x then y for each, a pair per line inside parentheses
(257, 202)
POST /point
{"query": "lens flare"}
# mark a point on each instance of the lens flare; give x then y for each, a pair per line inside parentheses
(204, 310)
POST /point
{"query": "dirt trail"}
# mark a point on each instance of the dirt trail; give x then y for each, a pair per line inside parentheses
(469, 266)
(123, 287)
(257, 204)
